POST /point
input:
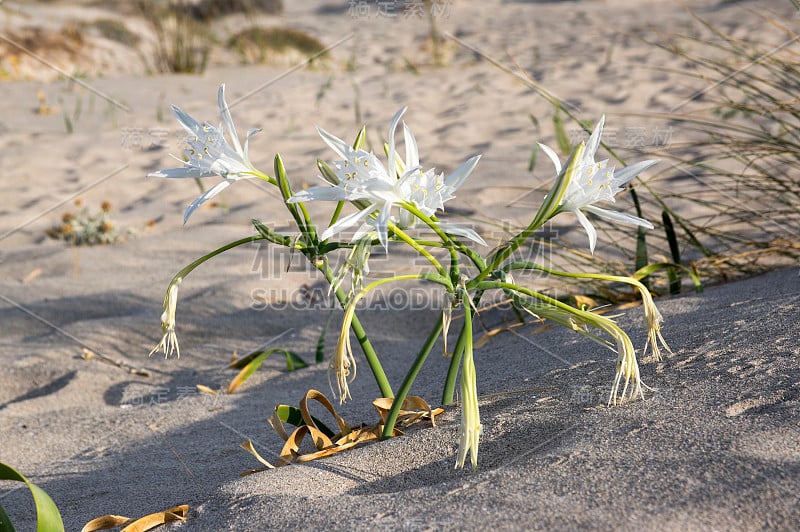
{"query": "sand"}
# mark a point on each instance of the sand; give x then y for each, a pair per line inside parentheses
(714, 445)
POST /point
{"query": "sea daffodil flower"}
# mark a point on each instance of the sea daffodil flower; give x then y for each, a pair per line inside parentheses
(363, 178)
(209, 153)
(596, 182)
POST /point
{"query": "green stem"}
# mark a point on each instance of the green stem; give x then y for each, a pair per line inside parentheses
(402, 235)
(405, 387)
(447, 240)
(197, 262)
(448, 394)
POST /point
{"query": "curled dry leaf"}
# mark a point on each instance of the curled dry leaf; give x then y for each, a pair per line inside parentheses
(414, 409)
(148, 522)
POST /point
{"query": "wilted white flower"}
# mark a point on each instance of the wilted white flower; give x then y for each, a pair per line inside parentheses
(169, 340)
(470, 429)
(209, 154)
(356, 263)
(596, 182)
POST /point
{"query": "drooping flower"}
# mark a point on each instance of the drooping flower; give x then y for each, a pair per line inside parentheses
(209, 153)
(596, 182)
(653, 319)
(356, 263)
(378, 189)
(169, 340)
(470, 429)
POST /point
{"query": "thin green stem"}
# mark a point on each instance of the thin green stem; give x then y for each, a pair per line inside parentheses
(197, 262)
(448, 394)
(405, 387)
(402, 235)
(447, 240)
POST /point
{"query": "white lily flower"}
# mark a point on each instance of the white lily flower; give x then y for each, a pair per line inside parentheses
(169, 340)
(362, 177)
(595, 182)
(209, 154)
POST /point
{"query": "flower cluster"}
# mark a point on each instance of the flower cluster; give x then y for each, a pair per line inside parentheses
(390, 198)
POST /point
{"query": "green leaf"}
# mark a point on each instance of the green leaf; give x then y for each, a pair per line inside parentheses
(250, 363)
(293, 416)
(320, 355)
(48, 519)
(675, 250)
(293, 361)
(5, 521)
(641, 251)
(534, 156)
(271, 235)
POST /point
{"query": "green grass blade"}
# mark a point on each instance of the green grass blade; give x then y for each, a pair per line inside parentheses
(294, 361)
(320, 355)
(250, 363)
(562, 139)
(48, 518)
(675, 250)
(5, 521)
(534, 156)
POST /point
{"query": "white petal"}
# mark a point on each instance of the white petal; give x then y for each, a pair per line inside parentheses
(187, 171)
(341, 148)
(191, 125)
(594, 139)
(590, 230)
(227, 120)
(346, 222)
(381, 224)
(553, 157)
(318, 194)
(412, 151)
(460, 174)
(247, 143)
(619, 217)
(629, 172)
(458, 230)
(207, 195)
(392, 128)
(361, 233)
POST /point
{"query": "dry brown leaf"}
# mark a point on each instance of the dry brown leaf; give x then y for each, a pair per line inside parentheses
(413, 409)
(205, 389)
(148, 522)
(32, 276)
